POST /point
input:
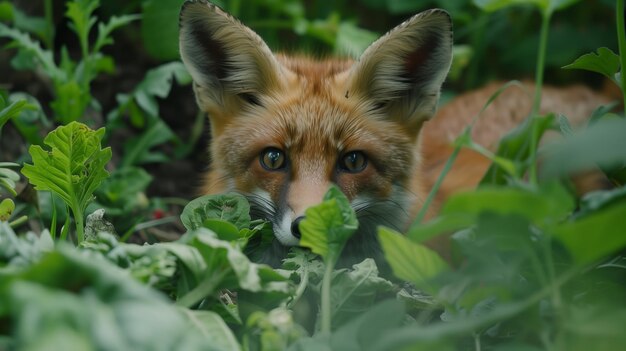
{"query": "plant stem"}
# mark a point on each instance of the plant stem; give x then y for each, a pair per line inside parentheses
(80, 225)
(621, 41)
(326, 306)
(49, 37)
(541, 60)
(436, 186)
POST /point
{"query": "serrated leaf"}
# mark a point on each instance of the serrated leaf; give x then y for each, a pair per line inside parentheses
(603, 61)
(72, 168)
(328, 226)
(105, 29)
(44, 57)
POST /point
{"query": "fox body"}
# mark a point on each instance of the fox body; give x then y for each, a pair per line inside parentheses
(285, 128)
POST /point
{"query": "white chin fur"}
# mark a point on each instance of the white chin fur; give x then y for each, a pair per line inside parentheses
(283, 232)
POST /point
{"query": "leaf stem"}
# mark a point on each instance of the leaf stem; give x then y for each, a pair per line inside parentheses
(541, 60)
(326, 312)
(621, 41)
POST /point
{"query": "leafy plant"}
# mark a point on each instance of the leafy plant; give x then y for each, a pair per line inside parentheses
(71, 80)
(72, 168)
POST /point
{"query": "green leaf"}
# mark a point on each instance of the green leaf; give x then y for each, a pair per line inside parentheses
(224, 266)
(601, 144)
(604, 61)
(13, 110)
(233, 208)
(138, 150)
(72, 168)
(8, 177)
(7, 206)
(354, 290)
(328, 226)
(105, 30)
(44, 57)
(410, 261)
(159, 32)
(595, 236)
(70, 102)
(79, 12)
(516, 146)
(212, 327)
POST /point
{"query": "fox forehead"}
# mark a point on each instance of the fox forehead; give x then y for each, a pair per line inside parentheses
(310, 117)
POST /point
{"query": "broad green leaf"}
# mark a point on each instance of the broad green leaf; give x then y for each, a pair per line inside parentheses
(212, 327)
(68, 291)
(604, 61)
(233, 208)
(328, 226)
(410, 261)
(72, 168)
(550, 204)
(595, 236)
(602, 144)
(226, 267)
(354, 290)
(598, 200)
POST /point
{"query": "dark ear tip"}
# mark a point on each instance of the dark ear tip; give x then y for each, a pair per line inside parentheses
(191, 3)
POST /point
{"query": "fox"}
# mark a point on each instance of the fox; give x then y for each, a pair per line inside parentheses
(285, 127)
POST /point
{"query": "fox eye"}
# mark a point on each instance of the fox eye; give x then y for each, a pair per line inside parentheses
(273, 159)
(353, 162)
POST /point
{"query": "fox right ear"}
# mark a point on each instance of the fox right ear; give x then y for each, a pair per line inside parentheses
(225, 58)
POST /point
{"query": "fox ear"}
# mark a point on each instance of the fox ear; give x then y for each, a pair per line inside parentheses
(225, 58)
(403, 70)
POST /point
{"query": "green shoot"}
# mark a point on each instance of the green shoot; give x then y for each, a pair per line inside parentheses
(73, 167)
(325, 230)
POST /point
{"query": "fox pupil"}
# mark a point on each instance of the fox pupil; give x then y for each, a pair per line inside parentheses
(353, 162)
(272, 159)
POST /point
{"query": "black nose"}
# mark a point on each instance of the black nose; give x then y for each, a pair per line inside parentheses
(295, 227)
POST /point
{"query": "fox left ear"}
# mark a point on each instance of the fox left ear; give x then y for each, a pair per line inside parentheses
(403, 70)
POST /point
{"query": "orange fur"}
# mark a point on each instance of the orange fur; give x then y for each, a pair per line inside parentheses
(314, 120)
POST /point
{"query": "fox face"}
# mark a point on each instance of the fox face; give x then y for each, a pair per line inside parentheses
(283, 129)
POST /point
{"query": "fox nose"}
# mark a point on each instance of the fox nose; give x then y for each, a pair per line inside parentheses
(295, 227)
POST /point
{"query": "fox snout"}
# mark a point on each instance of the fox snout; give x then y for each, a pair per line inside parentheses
(299, 196)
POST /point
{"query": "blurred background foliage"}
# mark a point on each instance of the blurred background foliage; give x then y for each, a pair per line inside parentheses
(499, 45)
(140, 92)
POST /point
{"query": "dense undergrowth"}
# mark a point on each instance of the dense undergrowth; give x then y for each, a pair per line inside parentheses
(534, 267)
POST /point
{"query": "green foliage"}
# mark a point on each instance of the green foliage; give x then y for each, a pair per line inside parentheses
(532, 267)
(71, 80)
(72, 168)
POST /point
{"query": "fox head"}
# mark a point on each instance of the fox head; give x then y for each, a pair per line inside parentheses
(283, 129)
